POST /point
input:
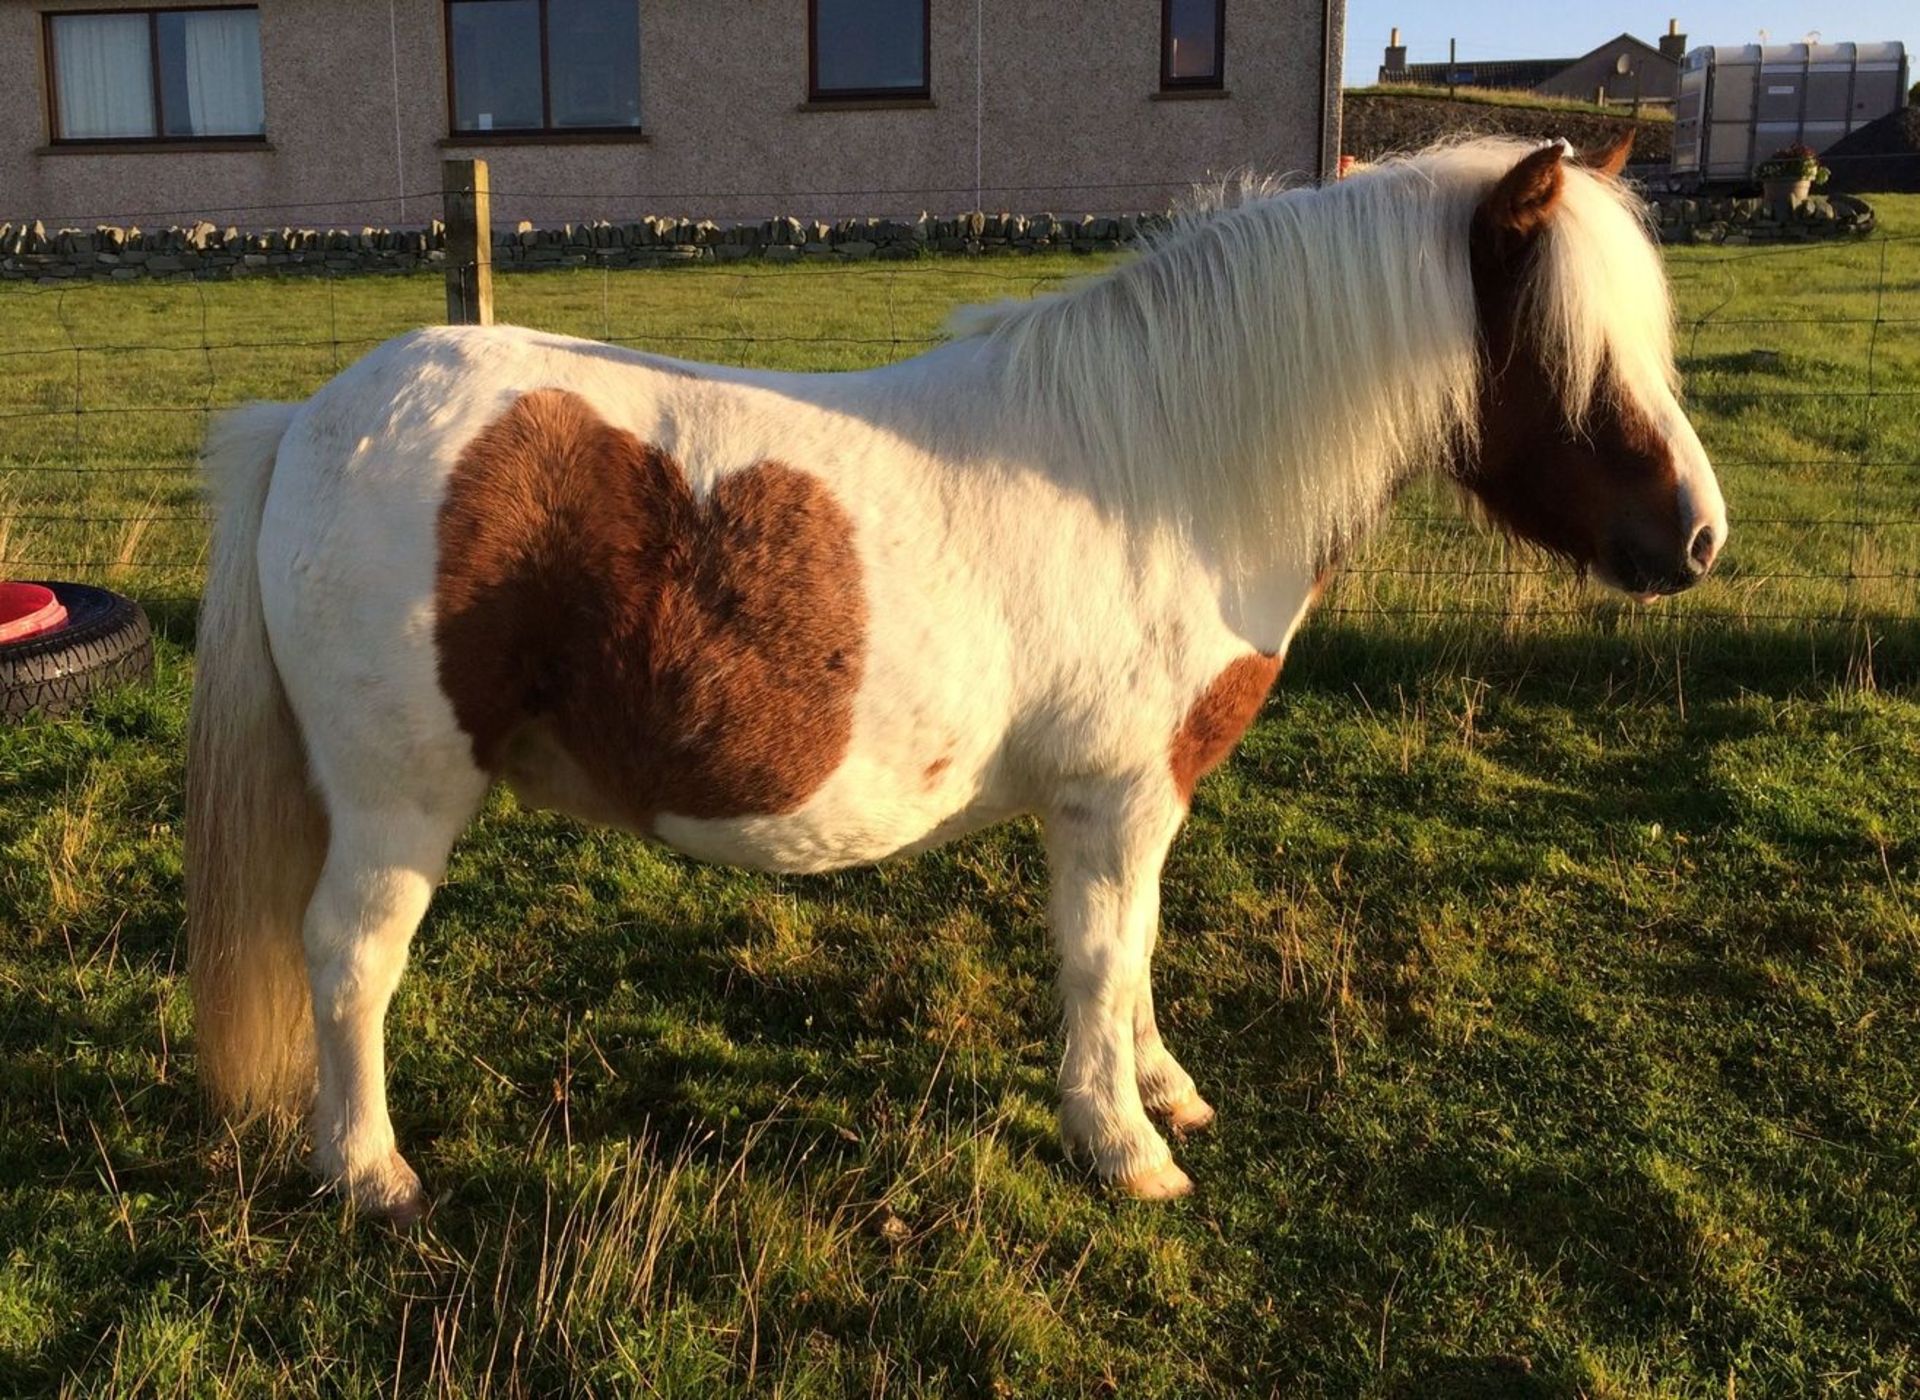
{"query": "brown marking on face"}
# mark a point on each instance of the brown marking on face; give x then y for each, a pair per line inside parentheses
(931, 773)
(1218, 719)
(692, 657)
(1605, 493)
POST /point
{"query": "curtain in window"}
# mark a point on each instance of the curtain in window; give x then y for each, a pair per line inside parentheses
(104, 74)
(223, 72)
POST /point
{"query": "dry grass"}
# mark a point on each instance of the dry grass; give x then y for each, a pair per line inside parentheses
(1498, 97)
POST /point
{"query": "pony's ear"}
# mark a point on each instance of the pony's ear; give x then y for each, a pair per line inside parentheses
(1611, 158)
(1520, 205)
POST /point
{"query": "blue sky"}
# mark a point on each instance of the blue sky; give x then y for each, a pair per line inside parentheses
(1519, 29)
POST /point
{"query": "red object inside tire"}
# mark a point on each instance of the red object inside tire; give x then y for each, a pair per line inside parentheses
(27, 610)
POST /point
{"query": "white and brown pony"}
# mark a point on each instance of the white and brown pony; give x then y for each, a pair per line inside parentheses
(798, 622)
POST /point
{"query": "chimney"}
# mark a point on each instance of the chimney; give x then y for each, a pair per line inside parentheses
(1395, 67)
(1673, 44)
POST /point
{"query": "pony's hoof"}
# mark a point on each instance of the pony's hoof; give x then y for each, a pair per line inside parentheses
(407, 1216)
(408, 1211)
(1192, 1114)
(1162, 1183)
(392, 1193)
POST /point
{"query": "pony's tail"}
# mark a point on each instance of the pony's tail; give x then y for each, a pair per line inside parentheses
(256, 833)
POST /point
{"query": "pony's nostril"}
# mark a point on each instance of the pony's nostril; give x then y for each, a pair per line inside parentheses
(1700, 553)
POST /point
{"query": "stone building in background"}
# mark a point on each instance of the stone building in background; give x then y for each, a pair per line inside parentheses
(324, 112)
(1623, 70)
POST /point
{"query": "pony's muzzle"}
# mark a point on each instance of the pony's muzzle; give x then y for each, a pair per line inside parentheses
(1649, 569)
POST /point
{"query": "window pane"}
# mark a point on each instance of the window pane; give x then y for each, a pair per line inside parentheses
(870, 45)
(210, 73)
(593, 62)
(1193, 31)
(496, 65)
(104, 72)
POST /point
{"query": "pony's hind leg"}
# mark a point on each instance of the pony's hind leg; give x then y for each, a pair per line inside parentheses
(381, 868)
(1105, 850)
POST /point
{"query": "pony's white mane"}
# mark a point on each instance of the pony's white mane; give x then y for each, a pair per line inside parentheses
(1273, 366)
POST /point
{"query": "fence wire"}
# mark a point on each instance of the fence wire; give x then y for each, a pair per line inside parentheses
(1802, 365)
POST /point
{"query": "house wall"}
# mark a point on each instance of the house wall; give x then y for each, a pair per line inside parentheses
(1055, 99)
(1659, 76)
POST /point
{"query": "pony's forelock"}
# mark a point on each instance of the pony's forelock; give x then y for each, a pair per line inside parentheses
(1280, 358)
(1597, 300)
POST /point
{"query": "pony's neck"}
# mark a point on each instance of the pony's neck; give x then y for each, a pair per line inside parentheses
(1264, 377)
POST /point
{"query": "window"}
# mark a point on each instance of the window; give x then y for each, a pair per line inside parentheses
(544, 65)
(867, 49)
(1193, 43)
(156, 75)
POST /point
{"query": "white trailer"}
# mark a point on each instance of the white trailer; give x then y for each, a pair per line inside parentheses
(1738, 104)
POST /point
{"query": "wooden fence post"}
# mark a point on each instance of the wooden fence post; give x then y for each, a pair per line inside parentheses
(469, 218)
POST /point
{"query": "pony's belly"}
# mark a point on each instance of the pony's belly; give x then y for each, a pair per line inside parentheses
(868, 810)
(857, 819)
(807, 842)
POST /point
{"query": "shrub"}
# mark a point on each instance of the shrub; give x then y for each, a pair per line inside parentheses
(1792, 163)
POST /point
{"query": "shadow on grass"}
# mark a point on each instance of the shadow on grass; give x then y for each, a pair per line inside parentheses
(690, 1041)
(1480, 1378)
(1621, 656)
(176, 619)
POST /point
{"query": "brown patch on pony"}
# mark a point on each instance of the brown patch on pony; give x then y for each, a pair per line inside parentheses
(1218, 719)
(931, 773)
(668, 654)
(1608, 499)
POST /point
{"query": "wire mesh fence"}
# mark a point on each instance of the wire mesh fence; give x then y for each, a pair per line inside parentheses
(1802, 365)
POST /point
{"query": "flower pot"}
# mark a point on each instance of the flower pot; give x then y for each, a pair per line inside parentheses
(1786, 195)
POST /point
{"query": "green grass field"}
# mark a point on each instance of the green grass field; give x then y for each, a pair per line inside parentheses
(1556, 971)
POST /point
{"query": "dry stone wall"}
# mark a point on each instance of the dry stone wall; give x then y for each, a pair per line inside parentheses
(1704, 219)
(30, 251)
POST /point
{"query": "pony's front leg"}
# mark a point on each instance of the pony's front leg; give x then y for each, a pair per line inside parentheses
(380, 872)
(1105, 848)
